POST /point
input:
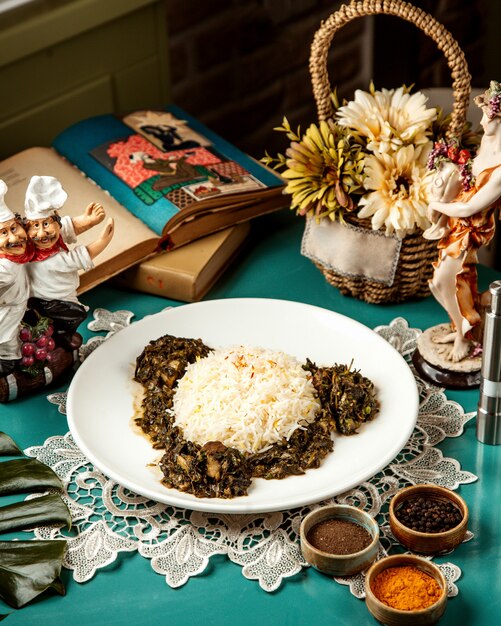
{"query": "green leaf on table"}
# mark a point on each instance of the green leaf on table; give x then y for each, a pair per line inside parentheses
(48, 509)
(8, 447)
(26, 475)
(28, 568)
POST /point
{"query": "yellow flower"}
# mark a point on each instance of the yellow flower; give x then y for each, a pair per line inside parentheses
(399, 185)
(323, 170)
(388, 119)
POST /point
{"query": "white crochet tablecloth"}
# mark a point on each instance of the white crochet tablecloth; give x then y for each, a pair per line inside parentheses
(108, 519)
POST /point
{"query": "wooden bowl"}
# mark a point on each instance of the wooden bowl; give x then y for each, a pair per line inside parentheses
(340, 564)
(396, 617)
(428, 543)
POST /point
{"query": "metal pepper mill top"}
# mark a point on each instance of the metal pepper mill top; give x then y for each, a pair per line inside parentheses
(489, 406)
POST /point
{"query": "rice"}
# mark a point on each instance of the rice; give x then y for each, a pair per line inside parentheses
(246, 398)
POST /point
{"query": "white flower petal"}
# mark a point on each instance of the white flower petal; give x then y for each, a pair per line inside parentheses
(388, 117)
(398, 186)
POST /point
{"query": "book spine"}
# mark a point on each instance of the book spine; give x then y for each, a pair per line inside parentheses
(158, 282)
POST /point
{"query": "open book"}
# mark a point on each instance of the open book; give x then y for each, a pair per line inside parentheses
(165, 178)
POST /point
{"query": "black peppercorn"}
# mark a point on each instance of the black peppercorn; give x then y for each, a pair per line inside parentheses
(428, 515)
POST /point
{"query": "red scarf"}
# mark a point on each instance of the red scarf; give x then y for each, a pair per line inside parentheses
(22, 258)
(44, 253)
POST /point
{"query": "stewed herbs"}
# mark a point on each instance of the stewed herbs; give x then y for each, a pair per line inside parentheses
(211, 469)
(348, 399)
(158, 368)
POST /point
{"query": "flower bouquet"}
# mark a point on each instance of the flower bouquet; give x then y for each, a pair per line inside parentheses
(361, 176)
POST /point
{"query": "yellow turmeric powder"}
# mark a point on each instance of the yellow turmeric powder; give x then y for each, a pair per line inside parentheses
(406, 588)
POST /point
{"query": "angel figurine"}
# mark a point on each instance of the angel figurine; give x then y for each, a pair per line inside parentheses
(462, 213)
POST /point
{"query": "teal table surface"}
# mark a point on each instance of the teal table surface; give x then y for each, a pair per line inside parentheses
(130, 592)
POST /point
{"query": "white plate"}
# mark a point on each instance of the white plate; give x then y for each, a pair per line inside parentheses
(100, 402)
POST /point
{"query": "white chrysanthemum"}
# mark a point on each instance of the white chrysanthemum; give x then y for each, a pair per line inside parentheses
(400, 190)
(388, 119)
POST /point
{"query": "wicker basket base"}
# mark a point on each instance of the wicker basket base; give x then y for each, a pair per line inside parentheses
(414, 269)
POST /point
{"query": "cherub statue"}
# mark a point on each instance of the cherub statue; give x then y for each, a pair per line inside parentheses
(53, 271)
(466, 223)
(446, 186)
(15, 252)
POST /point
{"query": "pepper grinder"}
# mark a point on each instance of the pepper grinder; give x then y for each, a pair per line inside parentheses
(489, 406)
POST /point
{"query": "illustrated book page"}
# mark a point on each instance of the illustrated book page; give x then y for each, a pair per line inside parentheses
(171, 172)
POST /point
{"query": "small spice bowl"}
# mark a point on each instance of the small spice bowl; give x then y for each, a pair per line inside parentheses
(340, 564)
(400, 617)
(428, 542)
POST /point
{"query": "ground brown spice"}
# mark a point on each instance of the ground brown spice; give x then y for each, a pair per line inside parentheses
(338, 536)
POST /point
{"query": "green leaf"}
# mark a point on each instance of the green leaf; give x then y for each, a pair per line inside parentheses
(49, 509)
(8, 446)
(26, 475)
(27, 568)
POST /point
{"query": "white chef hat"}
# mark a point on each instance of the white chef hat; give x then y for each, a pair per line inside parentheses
(43, 196)
(5, 213)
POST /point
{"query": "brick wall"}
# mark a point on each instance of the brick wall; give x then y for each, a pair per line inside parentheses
(240, 65)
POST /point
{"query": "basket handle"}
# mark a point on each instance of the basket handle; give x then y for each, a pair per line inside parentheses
(359, 8)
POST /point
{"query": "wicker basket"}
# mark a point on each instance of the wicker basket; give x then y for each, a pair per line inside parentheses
(414, 267)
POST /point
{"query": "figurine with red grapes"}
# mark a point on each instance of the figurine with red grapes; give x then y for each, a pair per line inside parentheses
(39, 278)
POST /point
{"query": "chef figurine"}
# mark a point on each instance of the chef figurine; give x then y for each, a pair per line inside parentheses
(15, 252)
(53, 271)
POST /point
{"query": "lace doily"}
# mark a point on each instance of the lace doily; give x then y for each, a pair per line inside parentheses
(108, 519)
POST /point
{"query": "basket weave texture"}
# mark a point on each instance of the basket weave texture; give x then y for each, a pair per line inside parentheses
(414, 267)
